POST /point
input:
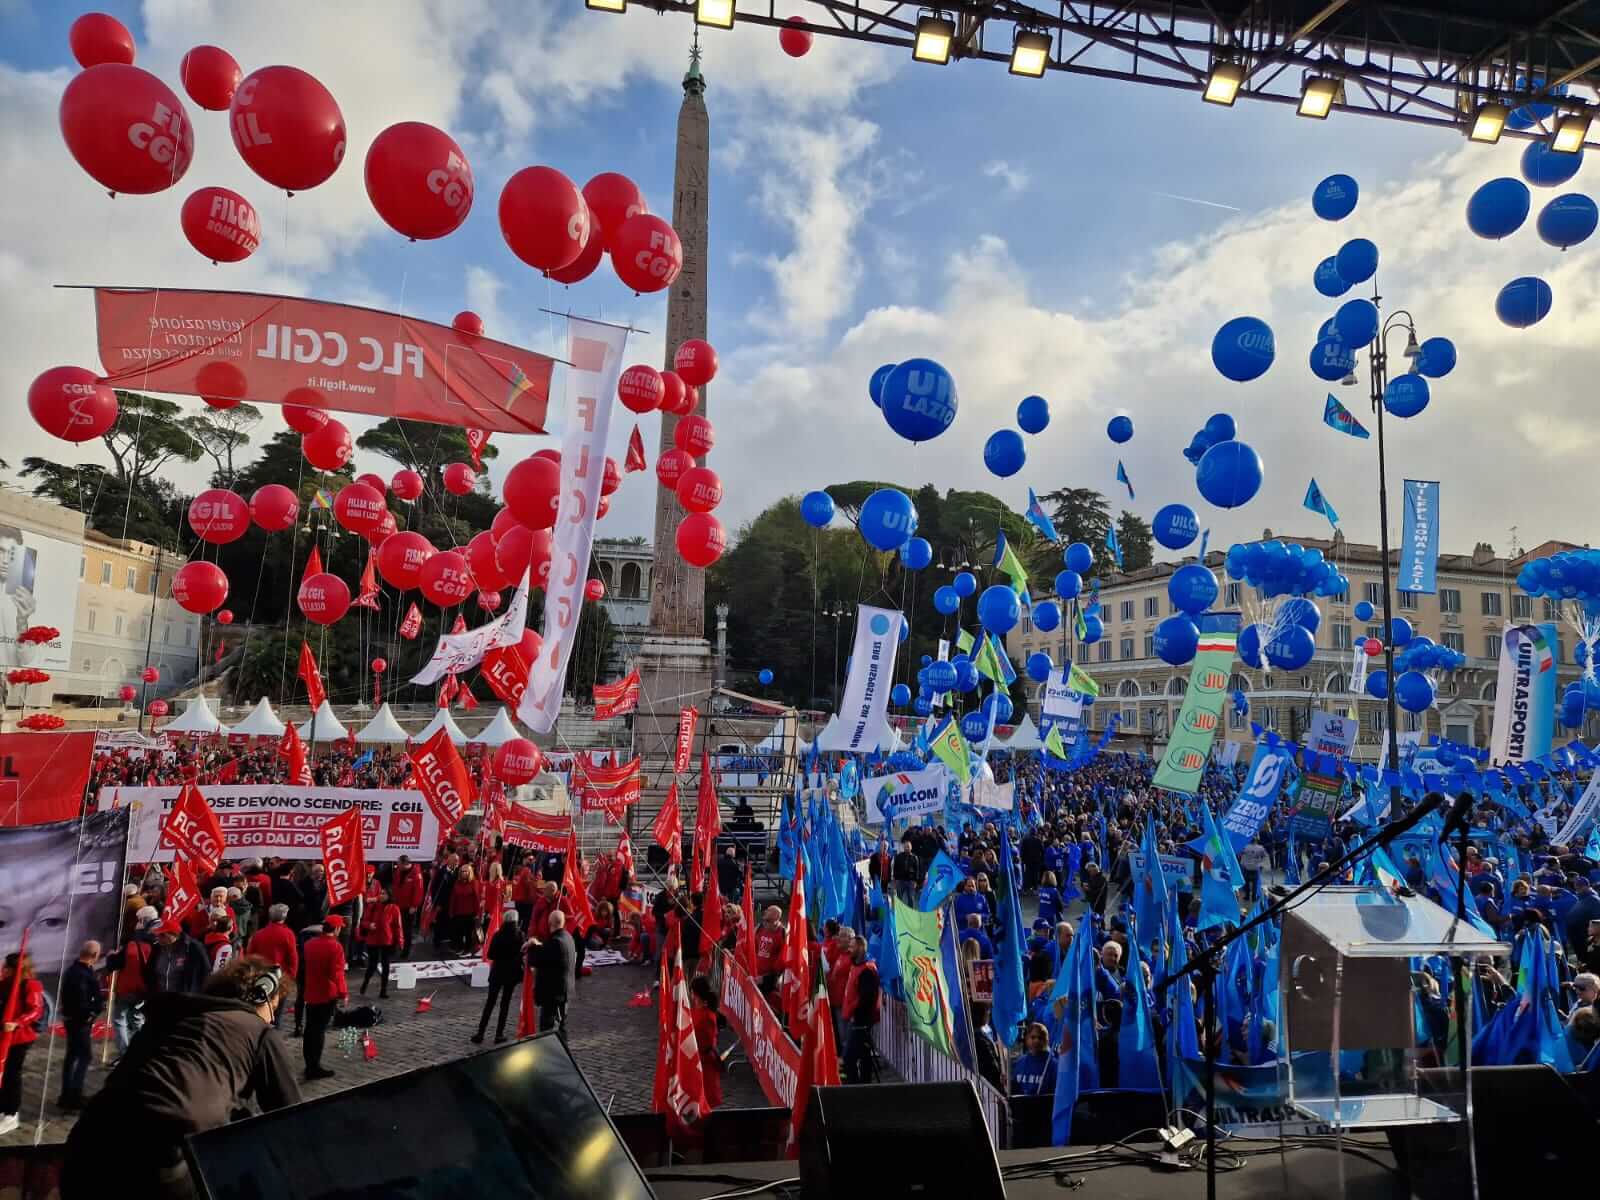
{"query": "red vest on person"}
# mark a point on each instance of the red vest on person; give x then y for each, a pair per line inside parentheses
(769, 950)
(852, 992)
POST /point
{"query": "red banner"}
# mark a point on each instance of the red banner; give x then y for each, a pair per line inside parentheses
(293, 751)
(774, 1059)
(343, 857)
(506, 674)
(686, 722)
(442, 778)
(192, 829)
(183, 890)
(287, 350)
(43, 776)
(617, 699)
(606, 789)
(537, 831)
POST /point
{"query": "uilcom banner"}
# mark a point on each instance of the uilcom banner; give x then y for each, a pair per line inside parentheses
(63, 881)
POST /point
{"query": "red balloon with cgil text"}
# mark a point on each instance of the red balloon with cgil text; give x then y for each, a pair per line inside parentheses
(695, 435)
(211, 76)
(459, 478)
(151, 674)
(406, 484)
(71, 403)
(641, 389)
(400, 559)
(445, 579)
(611, 479)
(646, 253)
(99, 37)
(670, 466)
(386, 526)
(303, 418)
(699, 490)
(287, 127)
(418, 180)
(222, 225)
(219, 516)
(543, 218)
(328, 447)
(158, 708)
(323, 598)
(359, 508)
(274, 507)
(695, 362)
(126, 129)
(516, 762)
(199, 587)
(701, 539)
(612, 199)
(583, 266)
(486, 572)
(532, 490)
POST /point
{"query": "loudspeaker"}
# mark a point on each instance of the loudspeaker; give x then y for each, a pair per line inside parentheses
(897, 1139)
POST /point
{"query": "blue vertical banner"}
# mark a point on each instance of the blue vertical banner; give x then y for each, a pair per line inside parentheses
(1419, 538)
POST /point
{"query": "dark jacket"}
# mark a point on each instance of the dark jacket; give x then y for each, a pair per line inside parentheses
(180, 967)
(505, 956)
(82, 997)
(554, 962)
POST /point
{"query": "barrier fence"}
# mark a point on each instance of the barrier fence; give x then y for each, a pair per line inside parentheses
(918, 1062)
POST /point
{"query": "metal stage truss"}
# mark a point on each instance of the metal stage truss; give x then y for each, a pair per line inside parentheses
(1423, 61)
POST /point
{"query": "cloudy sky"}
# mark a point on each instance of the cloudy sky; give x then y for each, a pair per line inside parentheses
(1074, 238)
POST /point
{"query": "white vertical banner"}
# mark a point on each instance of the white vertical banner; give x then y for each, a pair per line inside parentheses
(595, 353)
(1358, 667)
(863, 721)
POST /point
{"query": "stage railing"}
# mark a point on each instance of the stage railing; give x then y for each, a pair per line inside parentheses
(917, 1062)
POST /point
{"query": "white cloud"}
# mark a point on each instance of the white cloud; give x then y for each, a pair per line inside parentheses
(1013, 178)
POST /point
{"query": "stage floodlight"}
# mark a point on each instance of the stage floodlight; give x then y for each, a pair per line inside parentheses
(607, 5)
(1317, 95)
(1030, 53)
(716, 13)
(1222, 85)
(935, 35)
(1571, 132)
(1489, 123)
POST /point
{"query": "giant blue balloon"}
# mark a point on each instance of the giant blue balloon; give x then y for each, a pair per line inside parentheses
(1093, 630)
(1413, 691)
(966, 673)
(1400, 632)
(1243, 349)
(1363, 610)
(1543, 166)
(1175, 526)
(899, 695)
(1068, 584)
(1327, 279)
(1302, 612)
(942, 677)
(999, 609)
(1033, 414)
(875, 384)
(1378, 684)
(1176, 640)
(922, 706)
(1357, 260)
(975, 726)
(765, 676)
(1004, 453)
(1332, 359)
(1437, 358)
(1498, 208)
(1567, 220)
(919, 399)
(1356, 322)
(1249, 646)
(1406, 395)
(888, 519)
(1001, 704)
(966, 584)
(816, 509)
(1192, 588)
(1524, 302)
(916, 554)
(1291, 649)
(1229, 475)
(1079, 558)
(1119, 429)
(1047, 616)
(1220, 427)
(1335, 197)
(1039, 666)
(946, 600)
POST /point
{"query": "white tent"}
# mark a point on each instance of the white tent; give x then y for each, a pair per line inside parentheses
(383, 728)
(197, 718)
(1026, 736)
(443, 720)
(773, 743)
(262, 722)
(498, 731)
(329, 728)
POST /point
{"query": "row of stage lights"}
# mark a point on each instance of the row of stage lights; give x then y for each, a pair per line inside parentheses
(1030, 56)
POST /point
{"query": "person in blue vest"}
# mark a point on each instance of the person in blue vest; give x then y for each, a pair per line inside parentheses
(968, 902)
(1033, 1072)
(973, 932)
(1049, 898)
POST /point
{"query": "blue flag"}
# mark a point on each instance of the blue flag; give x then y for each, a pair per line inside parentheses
(944, 877)
(1111, 545)
(1337, 416)
(1529, 1030)
(1183, 1040)
(1010, 982)
(1318, 503)
(787, 840)
(1137, 1064)
(1041, 519)
(362, 761)
(1073, 1034)
(1205, 540)
(1122, 478)
(1149, 884)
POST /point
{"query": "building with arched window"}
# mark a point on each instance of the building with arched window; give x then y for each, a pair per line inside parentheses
(623, 565)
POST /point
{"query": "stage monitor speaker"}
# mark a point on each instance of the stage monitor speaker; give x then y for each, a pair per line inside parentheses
(889, 1140)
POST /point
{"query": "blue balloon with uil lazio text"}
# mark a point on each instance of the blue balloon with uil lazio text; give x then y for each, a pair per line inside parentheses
(946, 600)
(1378, 684)
(1543, 166)
(1033, 414)
(1335, 197)
(888, 519)
(1079, 558)
(1047, 616)
(1001, 704)
(1406, 395)
(1524, 302)
(1331, 359)
(975, 726)
(922, 706)
(919, 399)
(942, 677)
(816, 509)
(1093, 630)
(1004, 453)
(1567, 220)
(1327, 279)
(1039, 666)
(1413, 691)
(899, 695)
(875, 384)
(999, 609)
(1176, 640)
(1357, 260)
(1498, 208)
(765, 676)
(1243, 349)
(1120, 429)
(1192, 588)
(1068, 584)
(966, 584)
(1175, 526)
(1229, 475)
(1356, 322)
(1436, 357)
(1364, 610)
(916, 554)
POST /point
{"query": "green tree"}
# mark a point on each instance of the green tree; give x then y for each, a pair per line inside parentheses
(1136, 540)
(596, 638)
(222, 433)
(153, 512)
(1079, 515)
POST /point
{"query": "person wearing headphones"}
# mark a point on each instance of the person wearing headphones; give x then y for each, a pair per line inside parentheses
(197, 1061)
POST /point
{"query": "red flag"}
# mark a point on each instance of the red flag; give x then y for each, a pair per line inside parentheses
(311, 676)
(658, 1093)
(710, 914)
(707, 824)
(635, 460)
(686, 722)
(668, 827)
(368, 597)
(447, 690)
(467, 699)
(477, 439)
(293, 750)
(460, 625)
(819, 1064)
(217, 657)
(192, 829)
(745, 948)
(625, 853)
(313, 564)
(575, 892)
(506, 673)
(527, 1023)
(229, 772)
(183, 889)
(686, 1088)
(343, 855)
(795, 985)
(412, 624)
(442, 777)
(617, 699)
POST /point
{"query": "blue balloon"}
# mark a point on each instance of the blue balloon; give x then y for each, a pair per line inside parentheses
(1378, 684)
(1413, 691)
(946, 600)
(1567, 220)
(1039, 666)
(1335, 197)
(1004, 453)
(942, 677)
(888, 519)
(1291, 649)
(966, 673)
(1332, 359)
(1176, 640)
(1079, 558)
(1543, 166)
(916, 554)
(1175, 526)
(1327, 279)
(1229, 475)
(1524, 302)
(927, 659)
(966, 584)
(1241, 703)
(1498, 208)
(1302, 612)
(1249, 646)
(975, 726)
(1437, 358)
(1220, 427)
(919, 399)
(1356, 322)
(1357, 260)
(922, 706)
(1364, 610)
(1093, 630)
(905, 631)
(1400, 632)
(816, 509)
(1047, 616)
(1192, 588)
(765, 676)
(1406, 395)
(1068, 584)
(1243, 349)
(999, 610)
(1033, 414)
(1580, 655)
(1119, 429)
(1001, 704)
(875, 384)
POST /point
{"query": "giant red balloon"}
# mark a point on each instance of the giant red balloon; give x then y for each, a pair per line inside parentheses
(359, 508)
(486, 571)
(516, 762)
(158, 708)
(287, 127)
(531, 492)
(468, 322)
(274, 507)
(221, 403)
(72, 403)
(211, 76)
(523, 551)
(670, 466)
(221, 224)
(612, 199)
(303, 418)
(199, 587)
(221, 384)
(701, 539)
(646, 253)
(611, 480)
(695, 435)
(418, 180)
(699, 490)
(543, 218)
(795, 37)
(99, 37)
(400, 559)
(640, 389)
(695, 362)
(583, 266)
(530, 645)
(152, 674)
(323, 598)
(328, 447)
(444, 578)
(126, 129)
(219, 516)
(406, 484)
(459, 478)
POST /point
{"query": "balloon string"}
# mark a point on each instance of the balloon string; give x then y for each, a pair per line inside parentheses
(294, 569)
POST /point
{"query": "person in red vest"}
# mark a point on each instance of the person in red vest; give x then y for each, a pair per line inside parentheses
(23, 1028)
(463, 911)
(382, 933)
(703, 1010)
(860, 1011)
(543, 905)
(276, 943)
(769, 949)
(130, 989)
(326, 989)
(839, 971)
(524, 891)
(408, 894)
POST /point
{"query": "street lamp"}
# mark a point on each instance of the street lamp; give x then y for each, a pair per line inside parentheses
(835, 615)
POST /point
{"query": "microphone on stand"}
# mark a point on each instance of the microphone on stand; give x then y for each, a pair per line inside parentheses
(1460, 818)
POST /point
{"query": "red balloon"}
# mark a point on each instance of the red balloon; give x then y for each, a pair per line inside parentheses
(672, 391)
(151, 674)
(516, 762)
(374, 481)
(512, 550)
(532, 490)
(400, 559)
(530, 645)
(486, 571)
(406, 484)
(640, 389)
(469, 323)
(304, 418)
(386, 526)
(489, 601)
(72, 403)
(688, 403)
(97, 38)
(601, 509)
(418, 180)
(198, 587)
(211, 76)
(158, 708)
(540, 547)
(646, 253)
(551, 453)
(127, 692)
(379, 666)
(795, 37)
(287, 127)
(459, 478)
(1373, 647)
(274, 507)
(670, 466)
(328, 447)
(126, 129)
(612, 199)
(359, 508)
(695, 435)
(221, 384)
(222, 403)
(699, 490)
(543, 218)
(612, 479)
(323, 598)
(695, 362)
(219, 516)
(583, 266)
(225, 617)
(445, 580)
(503, 522)
(701, 539)
(221, 224)
(594, 589)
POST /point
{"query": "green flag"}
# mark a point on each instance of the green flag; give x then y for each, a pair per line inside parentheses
(1054, 745)
(988, 661)
(1081, 681)
(1006, 559)
(963, 641)
(927, 991)
(1080, 627)
(950, 748)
